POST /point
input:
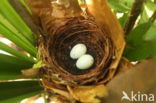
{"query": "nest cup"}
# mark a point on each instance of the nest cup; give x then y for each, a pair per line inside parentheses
(78, 30)
(66, 23)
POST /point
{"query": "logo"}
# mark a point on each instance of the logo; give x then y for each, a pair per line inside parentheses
(137, 97)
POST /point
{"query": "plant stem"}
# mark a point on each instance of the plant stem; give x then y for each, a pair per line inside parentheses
(25, 15)
(135, 12)
(153, 17)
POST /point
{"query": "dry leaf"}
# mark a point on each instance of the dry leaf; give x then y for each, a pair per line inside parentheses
(88, 94)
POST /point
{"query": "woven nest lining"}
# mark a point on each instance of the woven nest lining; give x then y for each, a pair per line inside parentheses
(78, 30)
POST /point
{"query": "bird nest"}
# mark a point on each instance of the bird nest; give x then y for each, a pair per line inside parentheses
(57, 51)
(64, 24)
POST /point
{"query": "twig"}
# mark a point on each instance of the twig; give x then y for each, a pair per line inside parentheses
(153, 17)
(135, 11)
(151, 21)
(25, 15)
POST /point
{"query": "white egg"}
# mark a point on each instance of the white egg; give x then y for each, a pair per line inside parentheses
(77, 51)
(85, 62)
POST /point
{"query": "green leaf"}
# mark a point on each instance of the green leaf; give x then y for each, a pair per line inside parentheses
(150, 5)
(118, 6)
(16, 53)
(151, 33)
(12, 59)
(5, 22)
(13, 30)
(139, 52)
(136, 36)
(123, 19)
(10, 67)
(11, 36)
(137, 48)
(14, 92)
(25, 5)
(12, 16)
(128, 3)
(144, 16)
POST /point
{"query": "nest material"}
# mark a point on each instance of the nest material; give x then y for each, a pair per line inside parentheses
(56, 53)
(65, 25)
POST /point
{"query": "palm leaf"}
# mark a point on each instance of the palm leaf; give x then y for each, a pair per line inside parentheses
(16, 53)
(11, 67)
(11, 15)
(11, 36)
(14, 92)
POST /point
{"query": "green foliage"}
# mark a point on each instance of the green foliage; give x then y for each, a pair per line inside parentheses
(138, 47)
(13, 28)
(14, 92)
(141, 40)
(151, 33)
(119, 6)
(150, 5)
(12, 33)
(25, 5)
(16, 53)
(123, 19)
(13, 17)
(11, 66)
(21, 43)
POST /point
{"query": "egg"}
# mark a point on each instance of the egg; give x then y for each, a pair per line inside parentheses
(78, 50)
(85, 62)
